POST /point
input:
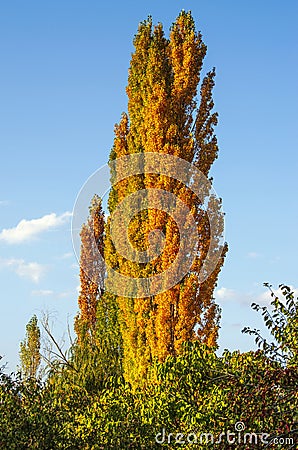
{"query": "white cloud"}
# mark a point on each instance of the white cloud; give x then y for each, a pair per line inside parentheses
(65, 294)
(225, 293)
(67, 255)
(28, 229)
(253, 255)
(49, 292)
(42, 292)
(265, 298)
(4, 202)
(31, 271)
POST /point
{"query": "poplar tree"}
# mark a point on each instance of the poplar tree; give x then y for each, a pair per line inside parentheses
(30, 349)
(91, 270)
(164, 116)
(97, 352)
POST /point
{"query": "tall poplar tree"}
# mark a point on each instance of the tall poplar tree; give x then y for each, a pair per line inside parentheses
(165, 117)
(97, 354)
(91, 270)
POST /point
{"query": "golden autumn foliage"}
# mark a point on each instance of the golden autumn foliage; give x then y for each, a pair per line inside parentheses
(91, 270)
(163, 116)
(97, 353)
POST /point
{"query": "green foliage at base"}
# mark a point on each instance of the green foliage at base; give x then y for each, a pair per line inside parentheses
(194, 394)
(196, 400)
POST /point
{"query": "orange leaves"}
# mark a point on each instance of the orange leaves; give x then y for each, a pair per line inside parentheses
(163, 81)
(206, 142)
(91, 269)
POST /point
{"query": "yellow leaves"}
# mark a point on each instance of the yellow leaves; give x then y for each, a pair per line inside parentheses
(164, 75)
(91, 268)
(30, 349)
(187, 53)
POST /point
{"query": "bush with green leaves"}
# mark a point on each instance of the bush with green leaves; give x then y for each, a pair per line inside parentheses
(187, 396)
(282, 322)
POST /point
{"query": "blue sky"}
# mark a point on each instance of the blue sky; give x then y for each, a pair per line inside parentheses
(62, 88)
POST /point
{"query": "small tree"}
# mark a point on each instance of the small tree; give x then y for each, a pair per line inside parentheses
(30, 350)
